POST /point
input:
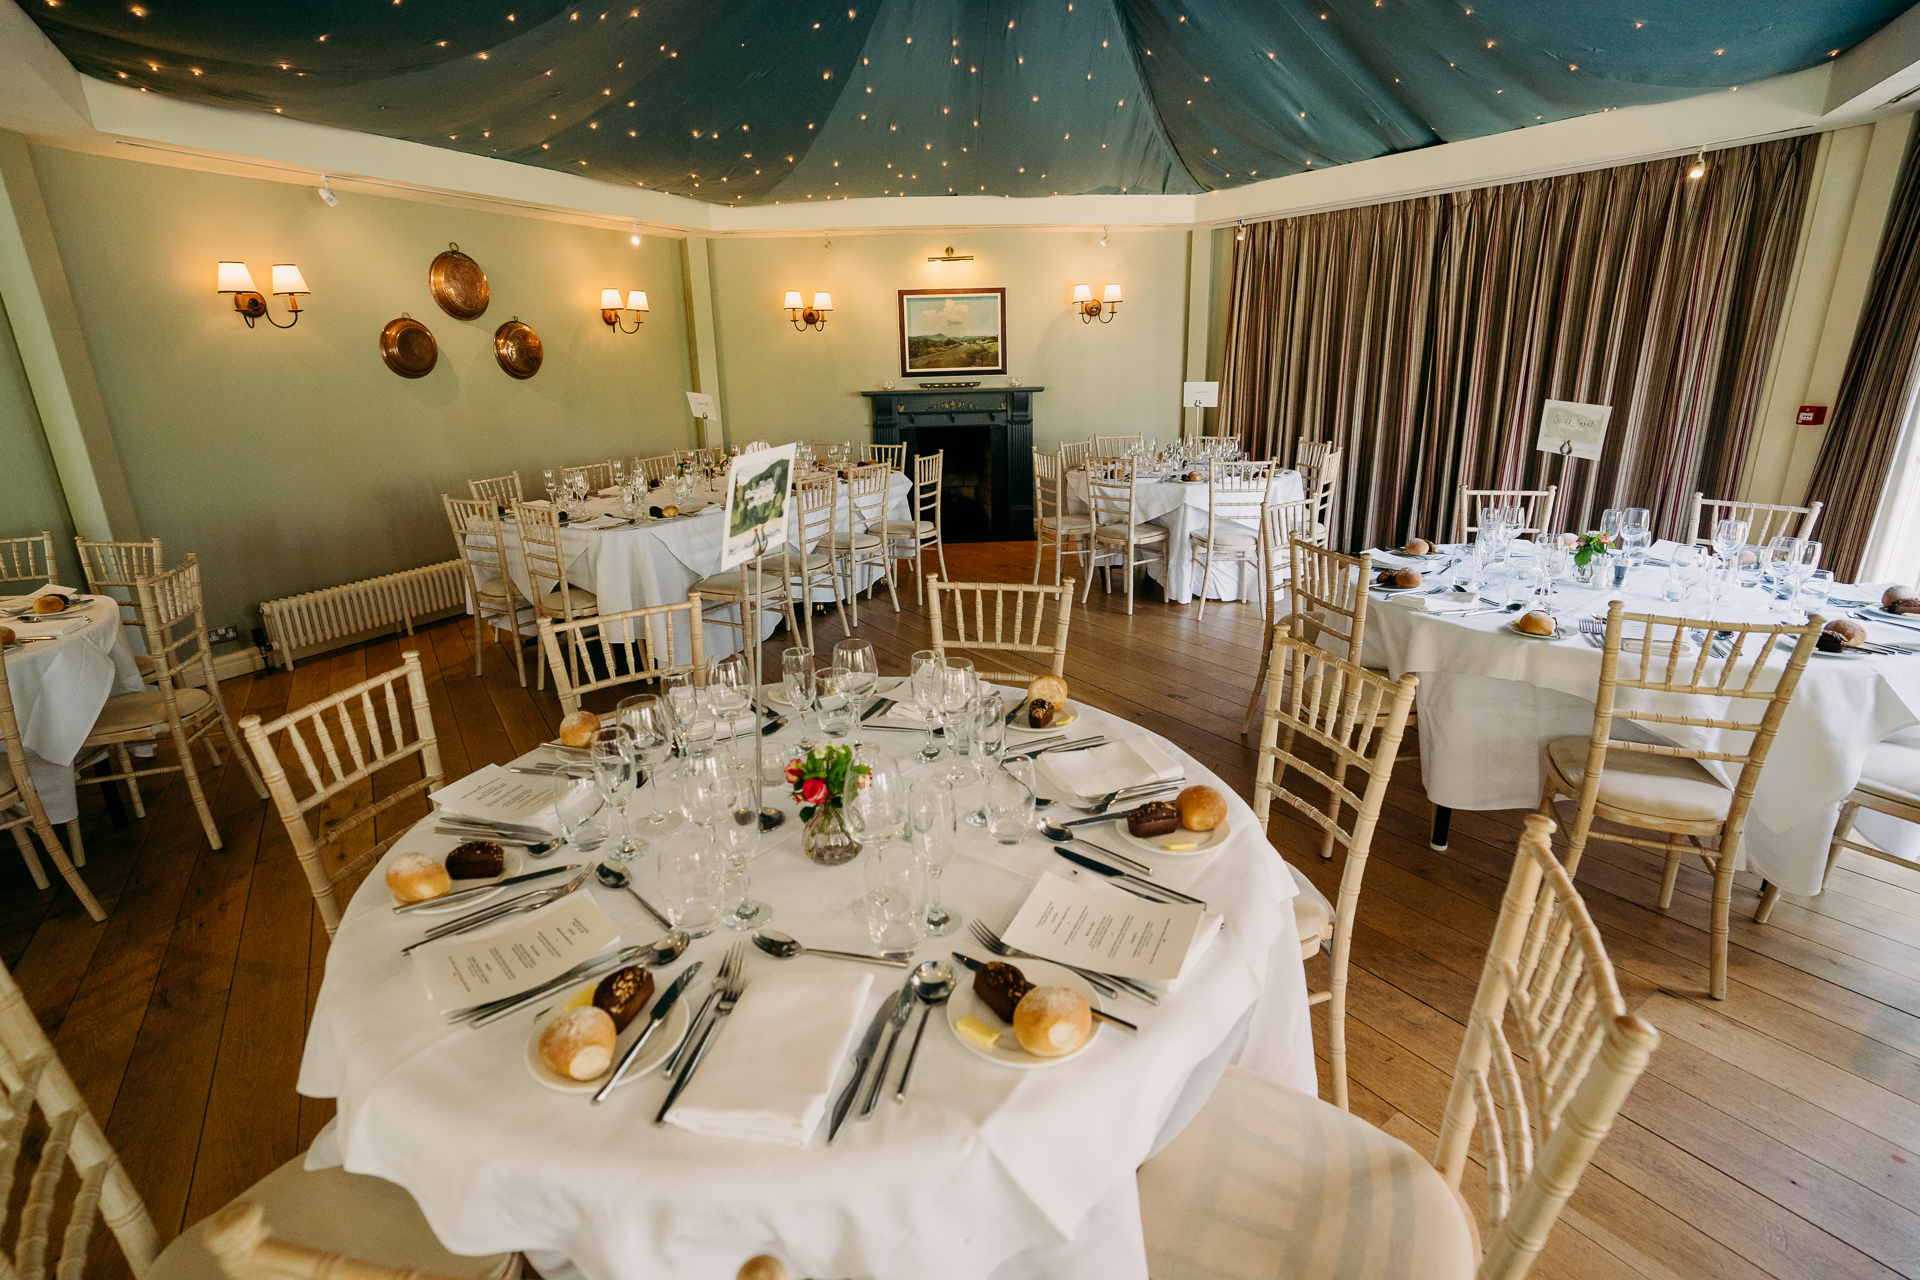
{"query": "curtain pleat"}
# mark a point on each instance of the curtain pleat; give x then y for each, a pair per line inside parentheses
(1865, 430)
(1423, 336)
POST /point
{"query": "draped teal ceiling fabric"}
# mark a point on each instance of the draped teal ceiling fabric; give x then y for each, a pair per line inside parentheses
(758, 101)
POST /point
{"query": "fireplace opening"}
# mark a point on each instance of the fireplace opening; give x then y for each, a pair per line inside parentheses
(966, 487)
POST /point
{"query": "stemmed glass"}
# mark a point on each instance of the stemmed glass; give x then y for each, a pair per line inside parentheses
(576, 804)
(612, 770)
(930, 811)
(989, 740)
(648, 723)
(927, 698)
(879, 803)
(1777, 565)
(856, 673)
(552, 482)
(730, 688)
(736, 823)
(798, 685)
(1806, 560)
(958, 692)
(1728, 537)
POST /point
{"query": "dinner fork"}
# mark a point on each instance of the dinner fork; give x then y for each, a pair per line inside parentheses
(733, 975)
(714, 989)
(498, 911)
(1105, 983)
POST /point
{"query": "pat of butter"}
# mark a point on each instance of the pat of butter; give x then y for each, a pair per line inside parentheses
(977, 1031)
(1181, 846)
(581, 998)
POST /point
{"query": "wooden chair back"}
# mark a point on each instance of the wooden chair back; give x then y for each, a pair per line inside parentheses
(32, 1075)
(661, 466)
(111, 565)
(1111, 491)
(1237, 493)
(1536, 503)
(1280, 524)
(929, 473)
(1551, 1040)
(1115, 446)
(1740, 665)
(817, 497)
(1016, 624)
(631, 646)
(29, 559)
(546, 561)
(498, 492)
(21, 810)
(1336, 706)
(479, 540)
(598, 475)
(173, 617)
(1330, 598)
(1765, 521)
(892, 455)
(242, 1242)
(1074, 455)
(1310, 457)
(1321, 491)
(353, 716)
(867, 495)
(1049, 486)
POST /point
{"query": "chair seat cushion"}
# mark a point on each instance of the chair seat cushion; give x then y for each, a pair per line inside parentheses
(132, 711)
(1312, 913)
(862, 542)
(1893, 768)
(364, 1217)
(1268, 1181)
(1141, 533)
(1227, 540)
(907, 528)
(1066, 524)
(731, 584)
(493, 588)
(582, 600)
(1661, 788)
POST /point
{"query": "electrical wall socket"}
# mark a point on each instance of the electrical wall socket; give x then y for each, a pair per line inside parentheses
(219, 634)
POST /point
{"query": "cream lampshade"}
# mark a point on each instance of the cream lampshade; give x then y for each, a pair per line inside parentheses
(235, 278)
(822, 302)
(1082, 293)
(1113, 293)
(288, 280)
(637, 300)
(609, 299)
(793, 302)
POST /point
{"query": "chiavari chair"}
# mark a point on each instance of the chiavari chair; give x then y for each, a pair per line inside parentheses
(922, 530)
(1236, 496)
(1112, 494)
(1667, 679)
(545, 561)
(1890, 784)
(816, 502)
(633, 646)
(1318, 462)
(111, 569)
(1280, 524)
(596, 475)
(1006, 618)
(661, 466)
(1328, 608)
(1051, 523)
(891, 455)
(29, 559)
(1116, 446)
(1074, 455)
(499, 492)
(1270, 1181)
(480, 539)
(856, 545)
(1536, 506)
(21, 811)
(1765, 521)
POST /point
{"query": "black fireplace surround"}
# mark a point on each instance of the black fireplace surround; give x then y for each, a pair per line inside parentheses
(987, 434)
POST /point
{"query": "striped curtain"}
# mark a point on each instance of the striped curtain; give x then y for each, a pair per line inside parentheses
(1422, 336)
(1858, 449)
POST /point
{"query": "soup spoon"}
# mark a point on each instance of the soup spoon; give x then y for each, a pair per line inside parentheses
(615, 876)
(779, 945)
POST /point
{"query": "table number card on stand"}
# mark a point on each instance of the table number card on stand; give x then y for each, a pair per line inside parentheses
(469, 970)
(1095, 926)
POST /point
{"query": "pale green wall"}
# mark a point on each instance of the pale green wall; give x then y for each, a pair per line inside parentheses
(1115, 378)
(30, 498)
(293, 459)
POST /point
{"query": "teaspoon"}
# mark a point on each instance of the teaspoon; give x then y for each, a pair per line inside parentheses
(616, 877)
(779, 945)
(933, 983)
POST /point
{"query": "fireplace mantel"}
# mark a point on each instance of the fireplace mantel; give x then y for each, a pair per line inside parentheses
(919, 417)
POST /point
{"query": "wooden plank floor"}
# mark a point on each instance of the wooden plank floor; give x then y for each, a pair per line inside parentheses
(1777, 1133)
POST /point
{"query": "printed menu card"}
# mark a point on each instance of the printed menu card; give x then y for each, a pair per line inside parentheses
(1095, 926)
(494, 794)
(474, 968)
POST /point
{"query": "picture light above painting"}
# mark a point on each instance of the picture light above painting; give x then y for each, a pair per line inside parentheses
(947, 331)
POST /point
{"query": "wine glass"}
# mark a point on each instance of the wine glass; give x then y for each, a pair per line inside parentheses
(619, 474)
(989, 739)
(729, 688)
(577, 804)
(1806, 560)
(957, 708)
(798, 686)
(648, 724)
(702, 777)
(612, 770)
(736, 823)
(931, 818)
(1776, 564)
(1728, 537)
(856, 672)
(552, 483)
(927, 697)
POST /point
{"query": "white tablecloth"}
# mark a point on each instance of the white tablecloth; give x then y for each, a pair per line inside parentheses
(58, 688)
(657, 562)
(1490, 699)
(1181, 506)
(984, 1170)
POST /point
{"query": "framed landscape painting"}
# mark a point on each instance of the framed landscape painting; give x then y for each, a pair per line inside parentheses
(946, 331)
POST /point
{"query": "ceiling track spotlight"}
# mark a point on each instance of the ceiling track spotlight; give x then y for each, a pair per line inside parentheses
(634, 239)
(1103, 237)
(1699, 168)
(326, 192)
(1242, 233)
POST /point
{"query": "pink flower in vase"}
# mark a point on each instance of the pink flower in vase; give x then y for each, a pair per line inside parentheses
(813, 791)
(793, 772)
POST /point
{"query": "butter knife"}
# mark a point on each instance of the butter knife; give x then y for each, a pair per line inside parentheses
(897, 1019)
(879, 708)
(1127, 878)
(661, 1008)
(463, 894)
(862, 1057)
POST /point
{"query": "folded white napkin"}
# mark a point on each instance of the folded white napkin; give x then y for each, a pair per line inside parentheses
(1394, 560)
(51, 590)
(1203, 936)
(1633, 638)
(536, 502)
(768, 1073)
(60, 626)
(1131, 762)
(1445, 602)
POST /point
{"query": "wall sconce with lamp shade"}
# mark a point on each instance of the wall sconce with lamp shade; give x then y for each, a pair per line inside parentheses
(804, 317)
(611, 307)
(288, 283)
(1090, 310)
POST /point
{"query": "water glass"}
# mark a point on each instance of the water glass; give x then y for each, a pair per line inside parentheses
(648, 723)
(989, 742)
(609, 753)
(957, 689)
(896, 899)
(927, 697)
(856, 672)
(931, 820)
(1813, 593)
(577, 806)
(878, 807)
(836, 717)
(736, 828)
(1728, 537)
(730, 688)
(1010, 803)
(693, 881)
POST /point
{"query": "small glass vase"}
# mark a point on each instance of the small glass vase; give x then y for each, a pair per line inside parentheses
(826, 839)
(1583, 573)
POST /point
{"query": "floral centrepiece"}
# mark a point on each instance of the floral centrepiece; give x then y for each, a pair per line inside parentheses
(821, 780)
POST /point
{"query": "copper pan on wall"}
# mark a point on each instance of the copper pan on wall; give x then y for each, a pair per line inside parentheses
(458, 284)
(408, 347)
(517, 347)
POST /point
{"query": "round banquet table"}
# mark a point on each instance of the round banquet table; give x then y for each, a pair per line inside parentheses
(1490, 699)
(657, 561)
(984, 1171)
(58, 687)
(1181, 507)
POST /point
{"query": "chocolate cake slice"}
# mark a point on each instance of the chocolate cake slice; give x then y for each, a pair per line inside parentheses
(1000, 987)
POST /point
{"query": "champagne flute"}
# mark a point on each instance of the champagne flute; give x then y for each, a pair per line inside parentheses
(736, 822)
(931, 817)
(957, 693)
(648, 723)
(612, 770)
(989, 740)
(927, 698)
(553, 485)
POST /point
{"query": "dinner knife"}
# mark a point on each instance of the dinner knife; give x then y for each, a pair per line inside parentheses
(661, 1008)
(1116, 873)
(902, 1009)
(773, 726)
(879, 708)
(463, 894)
(862, 1057)
(1129, 1027)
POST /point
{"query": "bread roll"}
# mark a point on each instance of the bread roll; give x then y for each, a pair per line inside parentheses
(1407, 578)
(1051, 1021)
(49, 604)
(578, 1044)
(1419, 547)
(1201, 808)
(1535, 623)
(1901, 599)
(6, 635)
(1048, 689)
(1841, 633)
(414, 877)
(578, 728)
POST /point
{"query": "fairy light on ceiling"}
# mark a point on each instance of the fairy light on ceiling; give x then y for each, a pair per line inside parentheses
(1144, 97)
